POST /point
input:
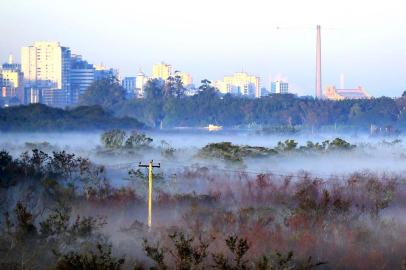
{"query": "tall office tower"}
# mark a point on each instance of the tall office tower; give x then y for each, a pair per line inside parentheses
(319, 93)
(46, 65)
(140, 81)
(240, 84)
(82, 75)
(279, 87)
(161, 71)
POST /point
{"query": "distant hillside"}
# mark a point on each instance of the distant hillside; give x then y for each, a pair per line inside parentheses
(39, 117)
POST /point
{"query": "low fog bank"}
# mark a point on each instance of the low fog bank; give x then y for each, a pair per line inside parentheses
(375, 154)
(340, 202)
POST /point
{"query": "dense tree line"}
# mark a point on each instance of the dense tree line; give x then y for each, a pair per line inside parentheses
(208, 106)
(36, 117)
(165, 104)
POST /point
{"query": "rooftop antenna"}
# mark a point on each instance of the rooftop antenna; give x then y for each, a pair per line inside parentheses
(10, 58)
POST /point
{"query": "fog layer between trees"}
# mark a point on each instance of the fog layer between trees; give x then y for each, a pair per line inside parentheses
(78, 201)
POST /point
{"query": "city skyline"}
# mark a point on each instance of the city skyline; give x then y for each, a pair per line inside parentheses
(365, 47)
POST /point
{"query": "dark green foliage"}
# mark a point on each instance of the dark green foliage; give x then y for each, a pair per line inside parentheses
(279, 130)
(165, 104)
(106, 92)
(236, 153)
(285, 111)
(118, 139)
(186, 253)
(336, 144)
(48, 239)
(167, 150)
(238, 248)
(137, 140)
(102, 259)
(287, 145)
(156, 254)
(174, 87)
(43, 146)
(279, 261)
(231, 152)
(113, 139)
(340, 144)
(25, 228)
(9, 169)
(38, 117)
(59, 222)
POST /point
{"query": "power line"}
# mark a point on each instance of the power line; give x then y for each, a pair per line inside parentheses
(181, 165)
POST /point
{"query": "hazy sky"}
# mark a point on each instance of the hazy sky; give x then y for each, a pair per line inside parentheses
(364, 40)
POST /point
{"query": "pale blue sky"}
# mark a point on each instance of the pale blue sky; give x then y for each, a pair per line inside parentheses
(364, 40)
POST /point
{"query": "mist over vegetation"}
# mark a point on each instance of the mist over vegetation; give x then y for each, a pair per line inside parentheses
(289, 183)
(239, 200)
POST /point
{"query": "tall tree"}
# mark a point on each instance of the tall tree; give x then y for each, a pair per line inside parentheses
(106, 92)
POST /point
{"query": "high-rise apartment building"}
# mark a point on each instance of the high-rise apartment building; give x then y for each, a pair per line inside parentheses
(47, 61)
(161, 71)
(81, 77)
(279, 87)
(46, 65)
(240, 84)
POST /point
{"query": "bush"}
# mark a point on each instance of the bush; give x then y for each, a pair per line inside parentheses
(118, 139)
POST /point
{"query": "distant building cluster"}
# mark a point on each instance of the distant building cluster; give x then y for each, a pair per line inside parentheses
(50, 74)
(332, 93)
(240, 84)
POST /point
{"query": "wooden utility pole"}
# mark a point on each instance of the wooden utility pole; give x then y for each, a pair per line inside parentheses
(150, 174)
